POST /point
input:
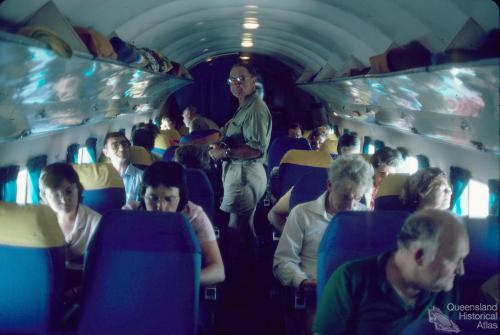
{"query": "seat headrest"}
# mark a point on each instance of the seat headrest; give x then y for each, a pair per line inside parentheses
(329, 146)
(140, 156)
(98, 176)
(167, 138)
(29, 226)
(313, 158)
(201, 137)
(392, 184)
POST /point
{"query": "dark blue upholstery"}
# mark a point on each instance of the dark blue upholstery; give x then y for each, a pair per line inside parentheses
(291, 173)
(168, 156)
(200, 190)
(308, 188)
(279, 148)
(104, 200)
(142, 275)
(352, 235)
(389, 203)
(31, 289)
(484, 255)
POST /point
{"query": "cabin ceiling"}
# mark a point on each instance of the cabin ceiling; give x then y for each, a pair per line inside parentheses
(305, 35)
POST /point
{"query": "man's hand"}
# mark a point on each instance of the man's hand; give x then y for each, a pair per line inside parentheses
(308, 285)
(217, 152)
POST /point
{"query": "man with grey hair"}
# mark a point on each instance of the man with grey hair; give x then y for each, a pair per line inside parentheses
(349, 178)
(385, 293)
(194, 121)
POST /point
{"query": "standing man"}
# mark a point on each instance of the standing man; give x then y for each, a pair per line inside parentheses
(244, 150)
(117, 149)
(195, 121)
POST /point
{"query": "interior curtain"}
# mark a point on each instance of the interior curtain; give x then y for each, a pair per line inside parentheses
(378, 145)
(459, 179)
(366, 144)
(493, 203)
(423, 162)
(35, 166)
(90, 144)
(8, 183)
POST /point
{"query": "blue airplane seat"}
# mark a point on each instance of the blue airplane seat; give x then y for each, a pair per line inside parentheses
(103, 186)
(200, 190)
(280, 146)
(297, 163)
(482, 261)
(353, 235)
(168, 156)
(201, 137)
(32, 257)
(142, 275)
(388, 195)
(308, 188)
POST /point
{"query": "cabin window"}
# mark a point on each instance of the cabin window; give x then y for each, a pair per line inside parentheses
(22, 186)
(8, 183)
(410, 165)
(478, 199)
(84, 156)
(371, 149)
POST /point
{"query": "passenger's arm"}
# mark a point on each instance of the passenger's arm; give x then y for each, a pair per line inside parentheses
(243, 151)
(212, 271)
(277, 215)
(287, 256)
(334, 310)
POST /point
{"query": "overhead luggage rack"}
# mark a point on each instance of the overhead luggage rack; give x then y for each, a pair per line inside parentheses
(456, 102)
(41, 91)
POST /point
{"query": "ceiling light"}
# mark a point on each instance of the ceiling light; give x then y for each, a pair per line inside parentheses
(250, 23)
(246, 43)
(205, 50)
(209, 59)
(251, 6)
(203, 39)
(244, 57)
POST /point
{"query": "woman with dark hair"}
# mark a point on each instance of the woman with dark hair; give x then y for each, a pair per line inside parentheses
(61, 190)
(164, 189)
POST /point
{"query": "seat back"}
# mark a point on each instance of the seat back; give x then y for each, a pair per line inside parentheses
(169, 154)
(140, 157)
(142, 275)
(32, 257)
(308, 188)
(280, 146)
(388, 193)
(200, 190)
(297, 163)
(330, 146)
(164, 139)
(352, 235)
(201, 137)
(482, 261)
(103, 186)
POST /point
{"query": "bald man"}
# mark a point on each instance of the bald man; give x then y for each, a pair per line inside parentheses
(385, 293)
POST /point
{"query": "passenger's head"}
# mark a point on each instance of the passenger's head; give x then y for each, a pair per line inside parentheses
(427, 188)
(242, 79)
(294, 130)
(385, 161)
(116, 147)
(188, 114)
(144, 137)
(193, 156)
(166, 123)
(348, 144)
(60, 188)
(349, 178)
(164, 187)
(435, 243)
(316, 138)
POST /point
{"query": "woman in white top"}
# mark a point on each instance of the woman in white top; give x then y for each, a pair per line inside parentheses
(164, 189)
(61, 190)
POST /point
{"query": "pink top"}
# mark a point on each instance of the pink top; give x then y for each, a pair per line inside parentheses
(200, 221)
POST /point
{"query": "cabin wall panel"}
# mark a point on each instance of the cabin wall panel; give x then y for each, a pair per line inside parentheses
(483, 165)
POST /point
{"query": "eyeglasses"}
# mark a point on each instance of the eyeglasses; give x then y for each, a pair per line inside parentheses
(124, 143)
(236, 80)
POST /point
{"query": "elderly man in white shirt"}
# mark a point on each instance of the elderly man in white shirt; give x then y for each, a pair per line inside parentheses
(349, 178)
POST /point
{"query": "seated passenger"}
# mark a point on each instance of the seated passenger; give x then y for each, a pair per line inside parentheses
(385, 161)
(295, 130)
(348, 144)
(316, 138)
(194, 121)
(61, 190)
(278, 214)
(117, 149)
(169, 122)
(383, 294)
(144, 136)
(426, 188)
(349, 178)
(193, 156)
(164, 189)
